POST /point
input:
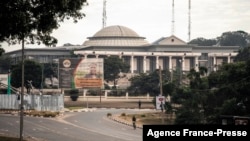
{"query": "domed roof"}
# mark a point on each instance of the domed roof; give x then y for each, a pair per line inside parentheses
(114, 31)
(116, 36)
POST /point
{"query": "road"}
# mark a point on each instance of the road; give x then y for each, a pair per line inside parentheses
(74, 126)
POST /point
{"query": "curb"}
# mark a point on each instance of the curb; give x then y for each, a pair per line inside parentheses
(80, 110)
(119, 120)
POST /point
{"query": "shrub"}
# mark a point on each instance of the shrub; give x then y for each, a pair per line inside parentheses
(123, 114)
(109, 114)
(43, 113)
(74, 94)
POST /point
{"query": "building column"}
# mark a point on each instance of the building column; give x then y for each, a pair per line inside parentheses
(144, 63)
(96, 56)
(229, 59)
(85, 56)
(132, 64)
(170, 63)
(196, 63)
(214, 63)
(183, 63)
(157, 62)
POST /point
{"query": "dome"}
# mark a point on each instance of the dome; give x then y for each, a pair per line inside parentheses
(116, 36)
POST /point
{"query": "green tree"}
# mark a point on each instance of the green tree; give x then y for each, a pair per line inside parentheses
(234, 38)
(145, 83)
(49, 71)
(33, 72)
(195, 78)
(230, 90)
(203, 42)
(244, 54)
(113, 67)
(5, 64)
(192, 98)
(230, 38)
(191, 110)
(2, 51)
(34, 20)
(150, 83)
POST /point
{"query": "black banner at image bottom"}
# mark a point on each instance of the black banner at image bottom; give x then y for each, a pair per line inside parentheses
(163, 132)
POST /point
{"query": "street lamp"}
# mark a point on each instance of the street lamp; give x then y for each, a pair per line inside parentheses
(57, 61)
(160, 77)
(180, 82)
(8, 90)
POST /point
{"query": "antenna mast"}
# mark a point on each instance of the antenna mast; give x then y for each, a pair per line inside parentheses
(189, 20)
(104, 17)
(172, 31)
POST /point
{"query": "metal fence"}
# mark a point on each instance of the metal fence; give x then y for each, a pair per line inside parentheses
(35, 102)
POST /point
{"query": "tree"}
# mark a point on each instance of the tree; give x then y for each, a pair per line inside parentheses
(235, 38)
(2, 51)
(203, 42)
(113, 67)
(150, 83)
(230, 38)
(195, 78)
(243, 55)
(145, 83)
(50, 71)
(32, 21)
(33, 71)
(231, 90)
(5, 62)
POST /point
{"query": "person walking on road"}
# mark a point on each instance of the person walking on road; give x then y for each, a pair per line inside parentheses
(139, 104)
(134, 122)
(162, 106)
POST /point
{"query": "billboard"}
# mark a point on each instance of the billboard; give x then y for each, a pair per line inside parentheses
(160, 100)
(81, 73)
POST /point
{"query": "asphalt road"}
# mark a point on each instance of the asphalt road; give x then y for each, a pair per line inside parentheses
(74, 126)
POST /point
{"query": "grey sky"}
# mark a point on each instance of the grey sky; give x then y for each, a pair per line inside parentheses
(153, 19)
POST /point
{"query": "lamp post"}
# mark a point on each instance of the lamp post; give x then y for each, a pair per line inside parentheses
(160, 77)
(180, 82)
(9, 78)
(57, 61)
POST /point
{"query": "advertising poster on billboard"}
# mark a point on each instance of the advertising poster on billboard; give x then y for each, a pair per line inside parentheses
(81, 73)
(160, 100)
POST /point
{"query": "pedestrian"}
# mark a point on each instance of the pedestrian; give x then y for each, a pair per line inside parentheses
(139, 104)
(162, 106)
(134, 122)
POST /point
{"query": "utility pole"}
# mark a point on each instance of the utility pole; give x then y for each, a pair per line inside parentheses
(104, 16)
(160, 77)
(173, 20)
(22, 94)
(189, 20)
(9, 79)
(181, 71)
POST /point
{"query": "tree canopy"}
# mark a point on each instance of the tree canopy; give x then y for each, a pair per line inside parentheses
(33, 72)
(113, 67)
(229, 38)
(34, 20)
(203, 42)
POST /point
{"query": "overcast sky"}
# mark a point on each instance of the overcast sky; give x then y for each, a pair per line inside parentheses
(153, 19)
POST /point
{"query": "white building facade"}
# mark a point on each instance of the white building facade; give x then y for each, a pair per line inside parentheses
(168, 52)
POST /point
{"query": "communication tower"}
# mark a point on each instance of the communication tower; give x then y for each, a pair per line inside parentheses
(104, 17)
